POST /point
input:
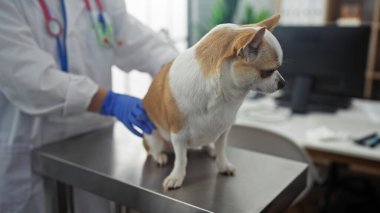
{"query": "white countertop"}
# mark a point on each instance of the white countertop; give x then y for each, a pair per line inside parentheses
(358, 121)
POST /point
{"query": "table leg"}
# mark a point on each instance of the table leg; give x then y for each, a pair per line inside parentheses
(65, 198)
(124, 209)
(118, 208)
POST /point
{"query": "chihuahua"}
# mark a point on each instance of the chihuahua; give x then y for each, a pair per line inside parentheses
(193, 100)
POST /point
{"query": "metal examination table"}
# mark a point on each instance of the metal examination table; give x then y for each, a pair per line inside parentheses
(107, 163)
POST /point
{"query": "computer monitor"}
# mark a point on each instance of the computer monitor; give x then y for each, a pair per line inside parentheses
(323, 66)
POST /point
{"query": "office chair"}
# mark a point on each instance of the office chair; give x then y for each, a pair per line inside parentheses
(264, 141)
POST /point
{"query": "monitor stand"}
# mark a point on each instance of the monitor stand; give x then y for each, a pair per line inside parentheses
(300, 94)
(302, 99)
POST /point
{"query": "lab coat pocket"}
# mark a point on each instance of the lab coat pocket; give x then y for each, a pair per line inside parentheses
(15, 176)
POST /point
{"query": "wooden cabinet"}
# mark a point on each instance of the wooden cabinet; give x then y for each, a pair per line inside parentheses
(373, 66)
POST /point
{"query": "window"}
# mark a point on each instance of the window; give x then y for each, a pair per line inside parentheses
(169, 16)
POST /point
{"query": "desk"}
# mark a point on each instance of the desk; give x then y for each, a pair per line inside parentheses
(354, 121)
(111, 164)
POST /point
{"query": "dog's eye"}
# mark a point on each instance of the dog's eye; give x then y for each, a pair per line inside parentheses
(267, 73)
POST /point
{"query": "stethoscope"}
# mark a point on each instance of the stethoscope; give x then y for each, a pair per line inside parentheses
(101, 23)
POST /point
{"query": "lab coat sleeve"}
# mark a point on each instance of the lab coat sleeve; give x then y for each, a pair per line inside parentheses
(141, 47)
(28, 75)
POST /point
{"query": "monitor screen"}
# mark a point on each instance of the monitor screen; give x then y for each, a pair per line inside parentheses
(334, 57)
(323, 66)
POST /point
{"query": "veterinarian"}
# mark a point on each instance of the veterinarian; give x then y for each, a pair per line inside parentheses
(56, 59)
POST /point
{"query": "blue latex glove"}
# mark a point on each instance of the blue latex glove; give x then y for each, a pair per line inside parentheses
(129, 110)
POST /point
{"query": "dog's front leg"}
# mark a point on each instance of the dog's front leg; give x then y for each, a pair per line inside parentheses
(175, 179)
(224, 166)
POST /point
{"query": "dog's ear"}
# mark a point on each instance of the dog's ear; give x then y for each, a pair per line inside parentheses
(250, 43)
(255, 42)
(270, 23)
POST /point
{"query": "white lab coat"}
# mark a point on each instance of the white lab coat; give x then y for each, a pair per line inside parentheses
(40, 104)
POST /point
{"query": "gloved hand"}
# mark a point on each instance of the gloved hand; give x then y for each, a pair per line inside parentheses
(129, 110)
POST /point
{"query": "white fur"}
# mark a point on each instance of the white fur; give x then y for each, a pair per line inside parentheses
(210, 110)
(209, 105)
(274, 43)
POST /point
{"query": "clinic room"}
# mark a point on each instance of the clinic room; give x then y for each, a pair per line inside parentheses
(190, 106)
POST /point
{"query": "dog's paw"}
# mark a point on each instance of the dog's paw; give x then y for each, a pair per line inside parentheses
(173, 182)
(161, 159)
(227, 169)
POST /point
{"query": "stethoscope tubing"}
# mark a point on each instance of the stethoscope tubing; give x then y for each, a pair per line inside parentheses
(50, 20)
(55, 30)
(64, 63)
(97, 17)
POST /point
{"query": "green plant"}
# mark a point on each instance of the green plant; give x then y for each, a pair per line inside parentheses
(250, 17)
(224, 11)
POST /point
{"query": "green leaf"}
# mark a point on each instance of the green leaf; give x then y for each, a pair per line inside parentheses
(223, 11)
(264, 14)
(249, 15)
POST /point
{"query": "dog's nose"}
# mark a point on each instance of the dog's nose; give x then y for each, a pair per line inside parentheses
(280, 84)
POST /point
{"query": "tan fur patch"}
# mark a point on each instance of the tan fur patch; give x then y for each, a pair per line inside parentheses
(259, 67)
(244, 70)
(222, 44)
(219, 45)
(146, 145)
(269, 23)
(270, 61)
(265, 63)
(242, 66)
(160, 104)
